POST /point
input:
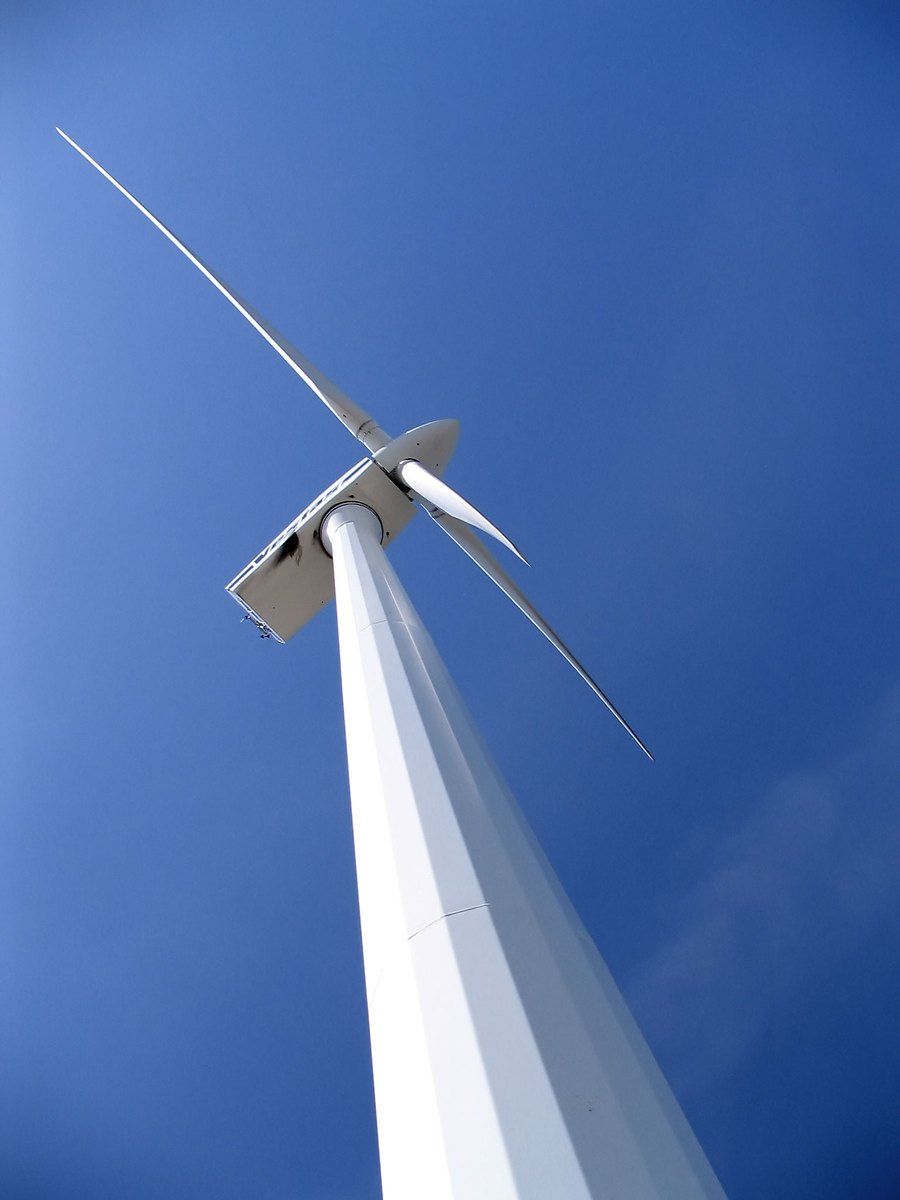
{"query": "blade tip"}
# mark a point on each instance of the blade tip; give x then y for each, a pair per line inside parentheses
(640, 743)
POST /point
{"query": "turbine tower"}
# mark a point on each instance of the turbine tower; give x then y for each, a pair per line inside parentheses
(506, 1064)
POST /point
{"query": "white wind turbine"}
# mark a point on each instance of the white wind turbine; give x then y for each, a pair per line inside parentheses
(506, 1064)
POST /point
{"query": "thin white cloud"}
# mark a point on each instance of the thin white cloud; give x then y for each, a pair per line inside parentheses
(806, 878)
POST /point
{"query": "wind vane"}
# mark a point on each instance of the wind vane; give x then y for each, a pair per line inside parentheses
(506, 1064)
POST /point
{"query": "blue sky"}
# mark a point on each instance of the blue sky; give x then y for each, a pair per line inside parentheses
(648, 255)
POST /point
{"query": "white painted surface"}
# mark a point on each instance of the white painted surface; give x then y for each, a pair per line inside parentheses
(506, 1064)
(439, 493)
(291, 580)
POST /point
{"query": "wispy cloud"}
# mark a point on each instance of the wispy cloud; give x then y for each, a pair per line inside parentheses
(807, 876)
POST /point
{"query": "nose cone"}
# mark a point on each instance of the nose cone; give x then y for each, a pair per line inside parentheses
(432, 445)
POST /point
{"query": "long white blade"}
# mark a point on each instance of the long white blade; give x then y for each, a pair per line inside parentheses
(356, 419)
(468, 541)
(421, 481)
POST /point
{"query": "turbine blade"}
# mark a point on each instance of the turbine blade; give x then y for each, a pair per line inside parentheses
(356, 419)
(421, 481)
(468, 541)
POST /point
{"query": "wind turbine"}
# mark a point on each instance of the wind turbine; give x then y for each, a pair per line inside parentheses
(506, 1064)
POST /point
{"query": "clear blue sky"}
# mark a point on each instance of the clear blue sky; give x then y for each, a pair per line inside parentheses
(648, 254)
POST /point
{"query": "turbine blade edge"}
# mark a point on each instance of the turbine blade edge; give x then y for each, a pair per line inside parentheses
(439, 493)
(469, 542)
(354, 418)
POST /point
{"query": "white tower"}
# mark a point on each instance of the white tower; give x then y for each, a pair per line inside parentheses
(506, 1064)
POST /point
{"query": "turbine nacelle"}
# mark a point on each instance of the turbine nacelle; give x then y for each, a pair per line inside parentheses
(291, 579)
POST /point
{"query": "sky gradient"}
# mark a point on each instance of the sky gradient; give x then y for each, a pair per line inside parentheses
(648, 255)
